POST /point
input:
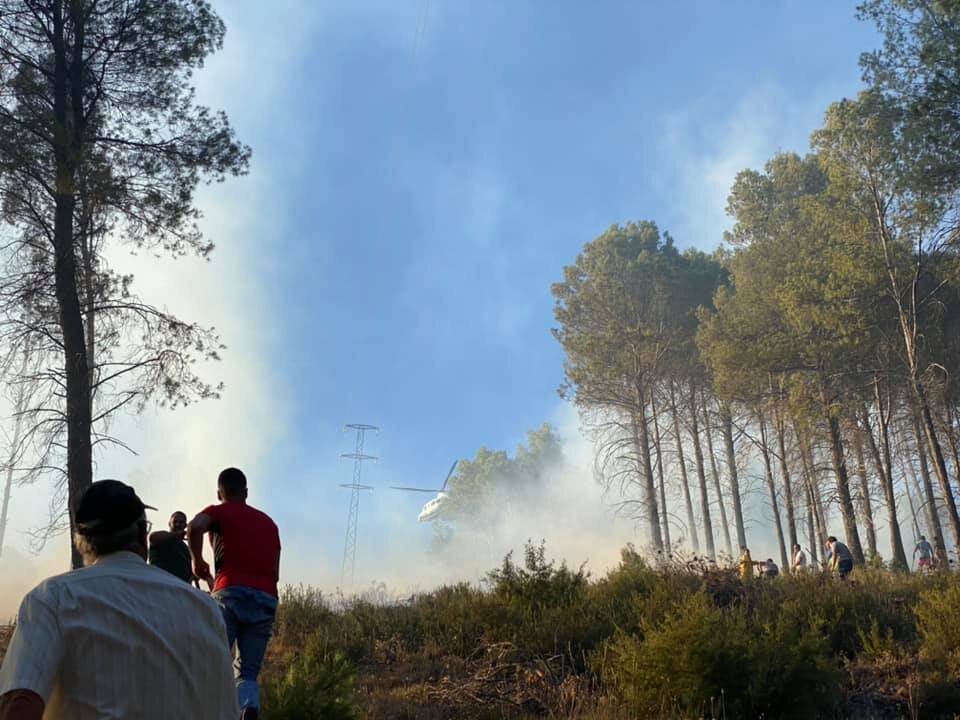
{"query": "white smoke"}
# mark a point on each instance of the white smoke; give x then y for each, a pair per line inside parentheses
(567, 510)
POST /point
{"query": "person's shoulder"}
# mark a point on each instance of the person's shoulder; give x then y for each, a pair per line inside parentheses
(45, 592)
(262, 515)
(195, 604)
(161, 537)
(49, 591)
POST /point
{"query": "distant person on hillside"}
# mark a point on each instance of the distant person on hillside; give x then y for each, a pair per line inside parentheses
(746, 564)
(246, 548)
(841, 561)
(799, 563)
(168, 549)
(769, 568)
(116, 639)
(925, 551)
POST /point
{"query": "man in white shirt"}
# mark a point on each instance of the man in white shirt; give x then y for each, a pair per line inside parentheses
(118, 638)
(799, 563)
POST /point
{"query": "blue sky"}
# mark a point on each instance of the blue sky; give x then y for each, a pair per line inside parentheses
(422, 171)
(439, 189)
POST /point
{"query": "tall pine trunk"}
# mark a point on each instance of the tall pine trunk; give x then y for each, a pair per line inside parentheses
(785, 473)
(939, 464)
(884, 468)
(953, 417)
(811, 532)
(642, 436)
(688, 501)
(910, 331)
(708, 431)
(917, 532)
(726, 424)
(68, 104)
(701, 475)
(811, 481)
(866, 507)
(930, 500)
(951, 434)
(847, 511)
(771, 486)
(664, 516)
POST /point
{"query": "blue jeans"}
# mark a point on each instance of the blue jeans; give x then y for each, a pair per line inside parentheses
(249, 616)
(844, 567)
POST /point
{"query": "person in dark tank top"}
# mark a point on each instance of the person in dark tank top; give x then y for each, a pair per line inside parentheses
(168, 548)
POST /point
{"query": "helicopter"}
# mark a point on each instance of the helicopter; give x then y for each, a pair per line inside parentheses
(432, 507)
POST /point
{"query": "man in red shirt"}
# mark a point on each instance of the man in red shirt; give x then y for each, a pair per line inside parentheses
(246, 549)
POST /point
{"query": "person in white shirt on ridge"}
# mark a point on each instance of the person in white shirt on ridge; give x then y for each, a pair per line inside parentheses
(799, 562)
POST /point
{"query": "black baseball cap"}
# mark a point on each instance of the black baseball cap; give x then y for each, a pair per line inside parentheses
(108, 506)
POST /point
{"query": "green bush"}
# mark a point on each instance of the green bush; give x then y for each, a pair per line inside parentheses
(793, 672)
(847, 609)
(537, 584)
(938, 623)
(314, 685)
(683, 664)
(701, 659)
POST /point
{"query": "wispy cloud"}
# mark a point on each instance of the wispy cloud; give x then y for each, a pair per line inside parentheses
(703, 151)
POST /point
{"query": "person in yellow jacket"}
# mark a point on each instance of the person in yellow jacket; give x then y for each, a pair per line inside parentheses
(746, 564)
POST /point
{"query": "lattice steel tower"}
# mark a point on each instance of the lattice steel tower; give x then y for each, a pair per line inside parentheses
(350, 544)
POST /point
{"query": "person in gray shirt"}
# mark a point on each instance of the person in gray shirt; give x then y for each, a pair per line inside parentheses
(925, 552)
(841, 561)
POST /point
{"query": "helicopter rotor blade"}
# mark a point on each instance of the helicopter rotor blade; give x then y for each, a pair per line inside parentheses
(413, 489)
(452, 468)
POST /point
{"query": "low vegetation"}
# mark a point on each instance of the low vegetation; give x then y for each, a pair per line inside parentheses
(686, 641)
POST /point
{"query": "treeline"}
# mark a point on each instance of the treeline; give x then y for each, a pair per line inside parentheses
(819, 344)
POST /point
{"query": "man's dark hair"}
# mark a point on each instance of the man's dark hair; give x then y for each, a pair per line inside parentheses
(233, 482)
(831, 539)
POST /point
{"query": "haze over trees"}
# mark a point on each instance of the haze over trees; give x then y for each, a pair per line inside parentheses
(493, 490)
(816, 352)
(102, 145)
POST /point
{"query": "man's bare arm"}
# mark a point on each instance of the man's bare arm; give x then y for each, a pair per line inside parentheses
(21, 705)
(195, 532)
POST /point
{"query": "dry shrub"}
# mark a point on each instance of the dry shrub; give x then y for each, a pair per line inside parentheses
(503, 678)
